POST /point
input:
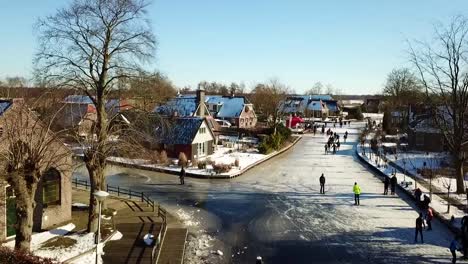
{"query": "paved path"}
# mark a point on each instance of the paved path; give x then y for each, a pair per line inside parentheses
(275, 211)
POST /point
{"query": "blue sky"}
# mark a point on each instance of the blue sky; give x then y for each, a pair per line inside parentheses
(351, 44)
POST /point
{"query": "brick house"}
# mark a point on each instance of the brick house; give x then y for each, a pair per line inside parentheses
(53, 197)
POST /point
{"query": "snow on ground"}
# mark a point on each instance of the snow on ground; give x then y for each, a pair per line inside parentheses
(438, 203)
(222, 155)
(84, 242)
(39, 238)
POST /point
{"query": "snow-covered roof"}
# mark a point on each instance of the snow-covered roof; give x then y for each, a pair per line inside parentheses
(182, 131)
(299, 103)
(315, 106)
(185, 105)
(232, 106)
(4, 105)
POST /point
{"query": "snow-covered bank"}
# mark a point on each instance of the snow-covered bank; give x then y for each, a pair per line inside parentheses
(247, 160)
(438, 204)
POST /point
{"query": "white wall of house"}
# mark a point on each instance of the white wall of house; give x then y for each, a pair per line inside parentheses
(201, 136)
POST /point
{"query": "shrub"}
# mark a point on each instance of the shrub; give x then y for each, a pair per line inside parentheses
(201, 164)
(195, 162)
(8, 256)
(182, 160)
(163, 158)
(220, 168)
(209, 161)
(236, 162)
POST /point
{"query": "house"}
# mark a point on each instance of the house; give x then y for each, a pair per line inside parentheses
(304, 105)
(190, 135)
(235, 109)
(78, 112)
(423, 135)
(53, 195)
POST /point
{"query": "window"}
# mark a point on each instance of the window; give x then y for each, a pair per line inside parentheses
(419, 140)
(1, 131)
(51, 187)
(202, 130)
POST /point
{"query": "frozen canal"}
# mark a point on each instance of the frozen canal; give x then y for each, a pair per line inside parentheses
(275, 211)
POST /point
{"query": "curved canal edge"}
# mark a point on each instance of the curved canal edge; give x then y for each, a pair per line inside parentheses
(214, 176)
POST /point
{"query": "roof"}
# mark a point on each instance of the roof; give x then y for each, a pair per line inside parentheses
(299, 103)
(315, 105)
(4, 105)
(112, 105)
(182, 131)
(232, 106)
(185, 105)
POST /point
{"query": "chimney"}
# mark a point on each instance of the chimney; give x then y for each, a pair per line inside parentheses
(200, 102)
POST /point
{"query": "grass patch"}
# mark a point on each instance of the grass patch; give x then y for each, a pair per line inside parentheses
(58, 242)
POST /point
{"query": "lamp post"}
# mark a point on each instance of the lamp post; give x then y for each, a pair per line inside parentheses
(100, 197)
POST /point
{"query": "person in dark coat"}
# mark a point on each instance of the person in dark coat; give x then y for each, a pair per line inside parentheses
(326, 148)
(334, 148)
(419, 228)
(464, 235)
(182, 176)
(323, 129)
(386, 184)
(417, 196)
(453, 249)
(322, 184)
(393, 183)
(426, 201)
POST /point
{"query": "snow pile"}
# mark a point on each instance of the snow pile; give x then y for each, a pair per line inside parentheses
(198, 250)
(84, 242)
(187, 218)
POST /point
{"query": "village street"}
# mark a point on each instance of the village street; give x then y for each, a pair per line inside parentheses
(275, 211)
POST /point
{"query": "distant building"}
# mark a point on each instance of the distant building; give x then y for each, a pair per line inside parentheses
(53, 195)
(235, 109)
(79, 113)
(423, 135)
(310, 106)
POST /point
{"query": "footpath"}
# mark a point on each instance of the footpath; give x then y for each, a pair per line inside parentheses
(407, 183)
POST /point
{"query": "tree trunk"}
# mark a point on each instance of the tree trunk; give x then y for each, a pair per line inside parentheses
(24, 217)
(96, 176)
(459, 175)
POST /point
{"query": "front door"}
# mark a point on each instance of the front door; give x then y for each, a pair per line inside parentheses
(11, 211)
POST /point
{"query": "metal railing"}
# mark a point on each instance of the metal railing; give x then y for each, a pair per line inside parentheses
(129, 193)
(162, 233)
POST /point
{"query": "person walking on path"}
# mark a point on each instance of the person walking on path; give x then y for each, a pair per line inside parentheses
(393, 183)
(357, 192)
(386, 184)
(334, 148)
(419, 228)
(429, 217)
(426, 202)
(464, 234)
(326, 149)
(417, 195)
(453, 249)
(182, 176)
(322, 184)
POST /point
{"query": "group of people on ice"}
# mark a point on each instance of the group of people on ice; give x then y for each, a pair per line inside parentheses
(333, 144)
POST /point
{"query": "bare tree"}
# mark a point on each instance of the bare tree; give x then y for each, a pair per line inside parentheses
(442, 66)
(16, 81)
(316, 89)
(90, 46)
(447, 183)
(28, 150)
(268, 97)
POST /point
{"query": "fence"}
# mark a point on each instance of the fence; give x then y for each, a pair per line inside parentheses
(121, 192)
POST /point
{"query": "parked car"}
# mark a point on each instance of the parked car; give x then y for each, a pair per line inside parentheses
(223, 123)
